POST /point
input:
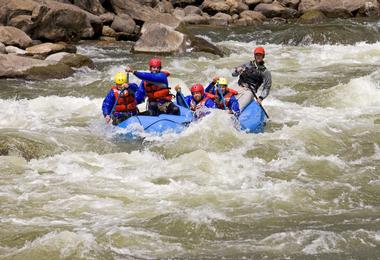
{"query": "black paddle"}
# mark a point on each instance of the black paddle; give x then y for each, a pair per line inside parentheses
(254, 95)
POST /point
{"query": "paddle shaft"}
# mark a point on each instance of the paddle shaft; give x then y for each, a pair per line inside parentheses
(183, 99)
(219, 90)
(254, 95)
(121, 93)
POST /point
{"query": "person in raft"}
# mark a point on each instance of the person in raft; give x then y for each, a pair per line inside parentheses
(154, 85)
(199, 102)
(252, 75)
(224, 96)
(120, 103)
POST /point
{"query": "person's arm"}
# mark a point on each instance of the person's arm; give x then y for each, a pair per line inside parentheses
(210, 88)
(188, 99)
(267, 83)
(160, 77)
(210, 103)
(107, 105)
(140, 93)
(238, 70)
(234, 106)
(132, 88)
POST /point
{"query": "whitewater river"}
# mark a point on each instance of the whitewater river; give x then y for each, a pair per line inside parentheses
(309, 187)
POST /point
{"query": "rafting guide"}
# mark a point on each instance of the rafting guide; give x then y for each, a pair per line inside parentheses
(252, 76)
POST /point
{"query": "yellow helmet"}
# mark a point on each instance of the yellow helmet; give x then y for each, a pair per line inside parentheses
(120, 78)
(222, 81)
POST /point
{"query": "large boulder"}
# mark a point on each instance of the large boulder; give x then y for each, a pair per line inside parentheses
(220, 19)
(67, 23)
(179, 13)
(275, 10)
(71, 59)
(160, 38)
(290, 3)
(13, 66)
(92, 6)
(199, 44)
(107, 18)
(340, 8)
(213, 7)
(123, 23)
(312, 17)
(196, 19)
(167, 34)
(108, 31)
(2, 48)
(14, 50)
(191, 9)
(50, 20)
(164, 7)
(14, 36)
(166, 19)
(248, 18)
(252, 3)
(253, 15)
(48, 48)
(134, 9)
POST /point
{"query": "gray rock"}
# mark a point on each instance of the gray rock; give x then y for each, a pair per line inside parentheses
(14, 36)
(75, 60)
(164, 7)
(311, 17)
(57, 57)
(215, 6)
(134, 9)
(14, 50)
(179, 13)
(165, 19)
(107, 18)
(160, 38)
(290, 3)
(50, 20)
(275, 10)
(220, 19)
(253, 15)
(2, 48)
(196, 19)
(13, 66)
(339, 8)
(48, 48)
(191, 9)
(123, 23)
(92, 6)
(108, 31)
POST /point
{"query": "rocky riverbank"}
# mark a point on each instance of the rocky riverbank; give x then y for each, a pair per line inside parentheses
(37, 36)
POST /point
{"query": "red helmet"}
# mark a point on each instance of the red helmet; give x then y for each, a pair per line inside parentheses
(155, 62)
(197, 88)
(259, 50)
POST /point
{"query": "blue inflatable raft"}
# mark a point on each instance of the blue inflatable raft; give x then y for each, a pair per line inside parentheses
(252, 119)
(160, 124)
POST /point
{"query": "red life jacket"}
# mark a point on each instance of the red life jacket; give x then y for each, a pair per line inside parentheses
(156, 91)
(194, 106)
(227, 97)
(126, 102)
